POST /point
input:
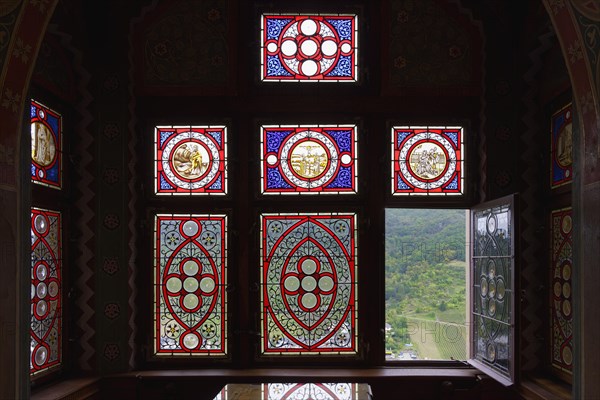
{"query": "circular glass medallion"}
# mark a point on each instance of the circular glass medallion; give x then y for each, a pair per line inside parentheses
(309, 283)
(190, 268)
(43, 146)
(346, 48)
(484, 287)
(567, 224)
(308, 159)
(190, 301)
(190, 160)
(309, 300)
(289, 47)
(566, 272)
(190, 228)
(41, 290)
(41, 272)
(309, 47)
(329, 48)
(190, 284)
(41, 354)
(491, 352)
(41, 224)
(567, 355)
(500, 289)
(492, 307)
(566, 308)
(566, 289)
(428, 160)
(309, 266)
(41, 308)
(308, 27)
(492, 288)
(557, 289)
(326, 283)
(207, 284)
(291, 283)
(53, 289)
(174, 284)
(491, 224)
(191, 341)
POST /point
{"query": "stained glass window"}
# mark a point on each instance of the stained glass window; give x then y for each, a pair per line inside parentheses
(295, 391)
(46, 146)
(427, 160)
(562, 147)
(308, 283)
(492, 280)
(308, 159)
(190, 160)
(189, 283)
(46, 281)
(309, 47)
(560, 303)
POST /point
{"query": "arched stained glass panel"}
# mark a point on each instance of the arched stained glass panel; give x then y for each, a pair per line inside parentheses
(46, 290)
(308, 283)
(46, 146)
(427, 160)
(562, 147)
(190, 277)
(190, 160)
(317, 159)
(309, 47)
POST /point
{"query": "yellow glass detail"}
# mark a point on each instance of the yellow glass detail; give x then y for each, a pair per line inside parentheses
(43, 148)
(190, 160)
(309, 159)
(428, 160)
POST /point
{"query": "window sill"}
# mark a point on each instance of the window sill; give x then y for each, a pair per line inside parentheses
(81, 388)
(539, 388)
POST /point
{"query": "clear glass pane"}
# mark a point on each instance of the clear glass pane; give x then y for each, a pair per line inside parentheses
(425, 284)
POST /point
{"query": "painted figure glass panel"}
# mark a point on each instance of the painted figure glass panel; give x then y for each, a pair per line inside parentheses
(562, 147)
(190, 160)
(308, 283)
(492, 279)
(46, 287)
(189, 284)
(560, 302)
(315, 159)
(309, 47)
(427, 160)
(46, 146)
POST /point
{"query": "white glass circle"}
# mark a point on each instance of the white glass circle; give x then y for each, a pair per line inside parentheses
(289, 47)
(40, 356)
(309, 266)
(190, 285)
(309, 67)
(190, 341)
(41, 307)
(346, 48)
(291, 283)
(326, 283)
(272, 47)
(41, 290)
(309, 300)
(42, 272)
(190, 301)
(190, 267)
(207, 284)
(309, 47)
(308, 27)
(309, 283)
(271, 159)
(41, 224)
(41, 173)
(32, 290)
(174, 284)
(53, 289)
(346, 159)
(190, 228)
(329, 47)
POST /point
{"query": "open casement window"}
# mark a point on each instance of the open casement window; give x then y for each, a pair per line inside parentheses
(492, 284)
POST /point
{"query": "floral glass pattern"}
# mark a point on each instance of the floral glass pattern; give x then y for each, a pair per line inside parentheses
(561, 331)
(309, 47)
(562, 147)
(308, 284)
(190, 160)
(46, 146)
(190, 277)
(427, 160)
(316, 159)
(321, 391)
(46, 283)
(492, 265)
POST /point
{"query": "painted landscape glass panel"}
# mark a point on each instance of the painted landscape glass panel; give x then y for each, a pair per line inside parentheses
(309, 47)
(308, 283)
(561, 302)
(46, 146)
(190, 160)
(46, 287)
(427, 160)
(189, 284)
(316, 159)
(492, 264)
(562, 147)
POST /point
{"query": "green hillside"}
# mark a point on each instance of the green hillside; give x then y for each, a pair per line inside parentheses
(425, 283)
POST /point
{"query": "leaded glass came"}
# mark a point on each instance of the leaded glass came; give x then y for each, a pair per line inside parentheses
(427, 160)
(46, 282)
(190, 277)
(318, 159)
(308, 283)
(190, 160)
(309, 47)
